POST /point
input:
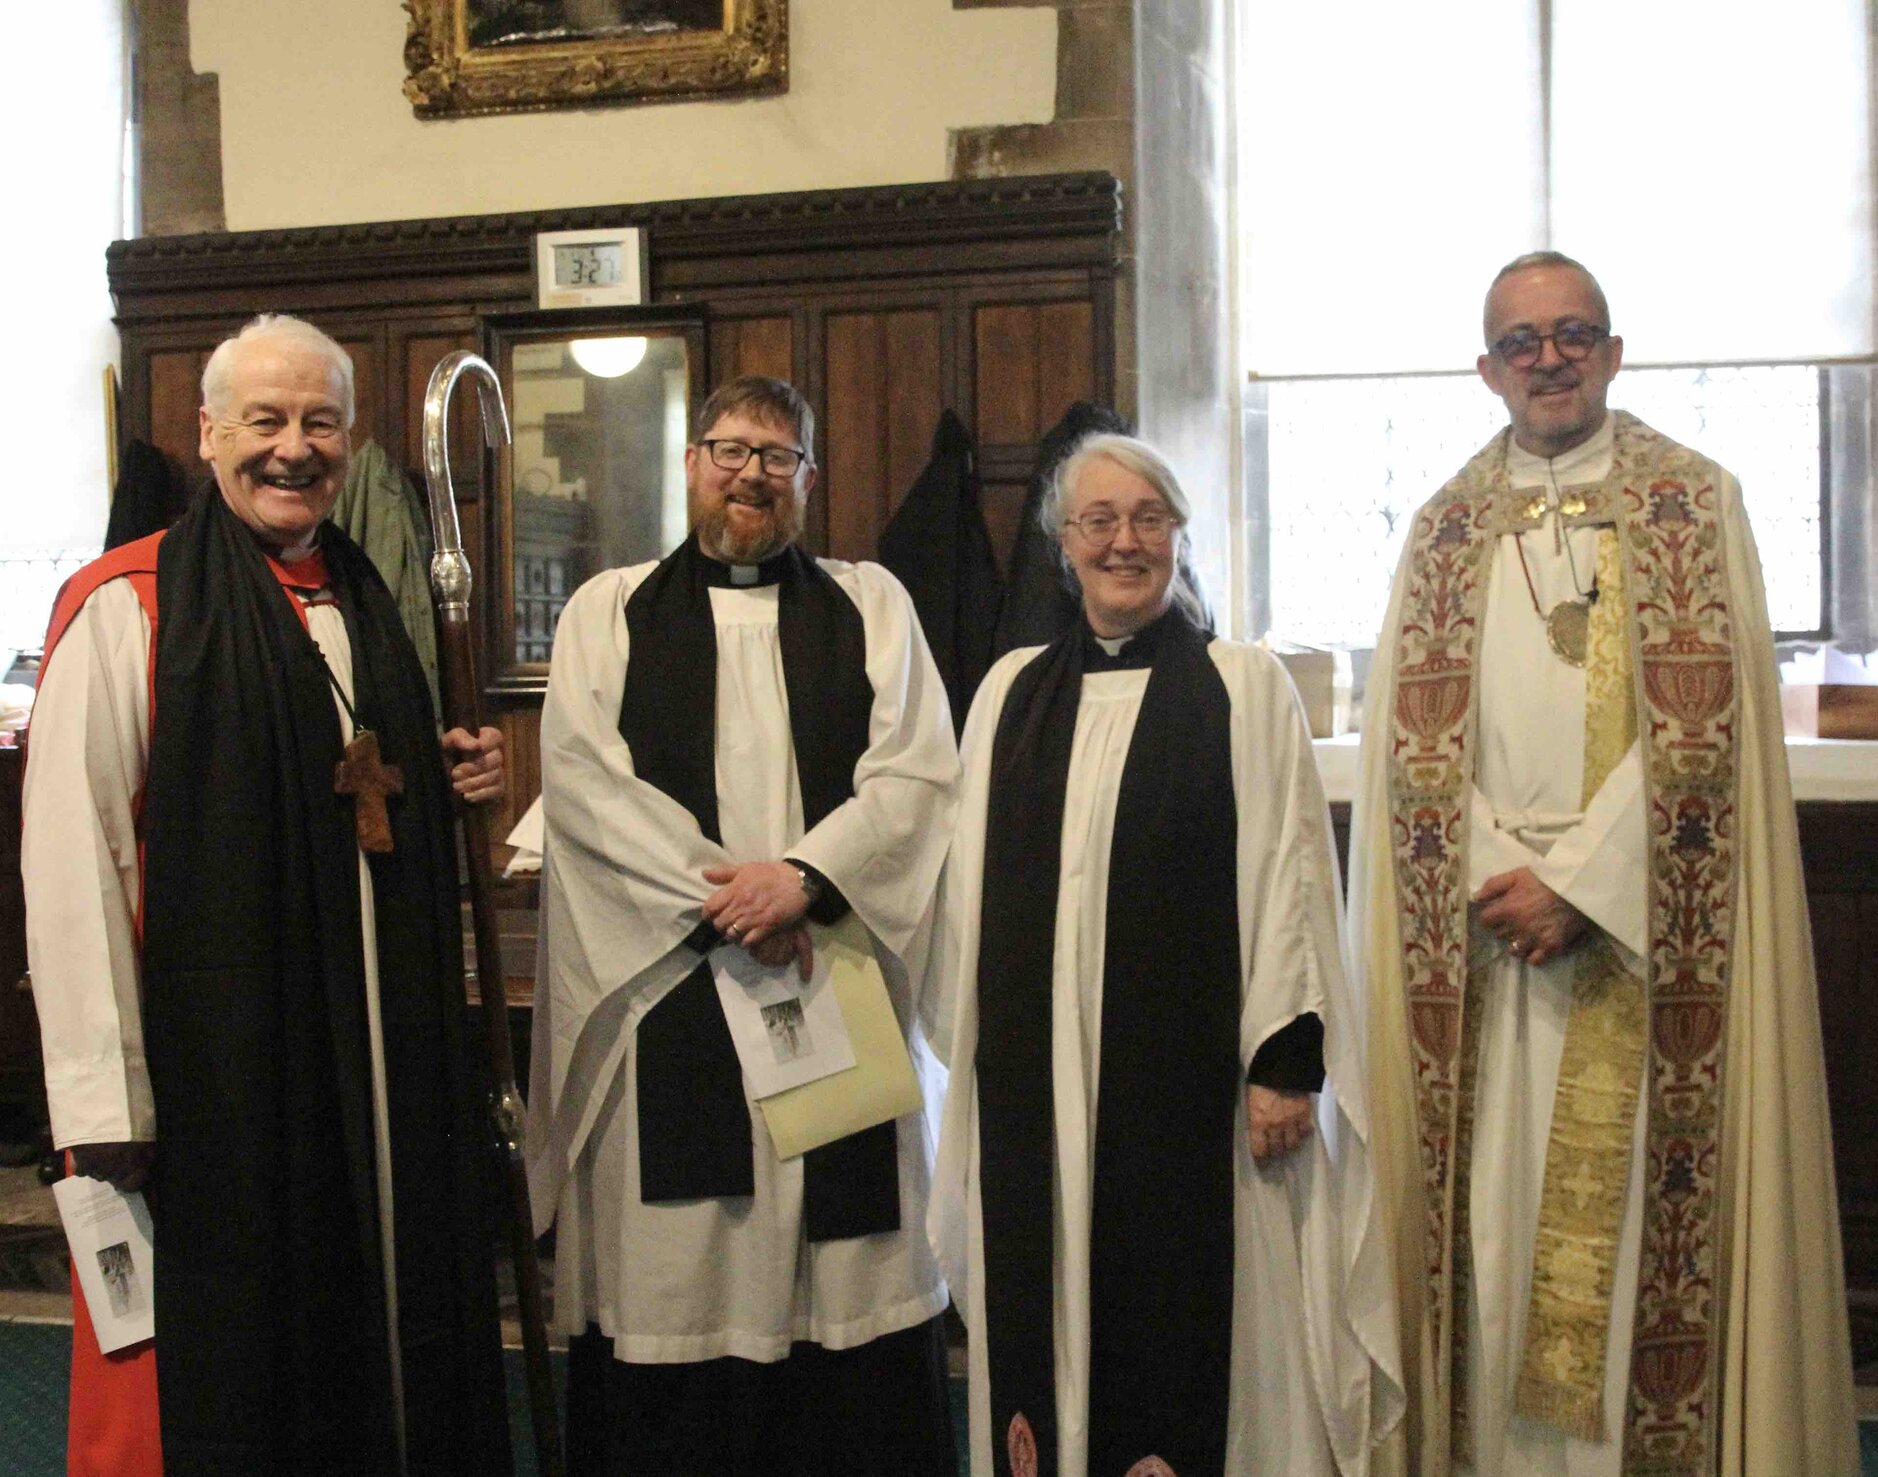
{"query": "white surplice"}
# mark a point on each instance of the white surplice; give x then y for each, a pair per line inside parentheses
(79, 860)
(1527, 809)
(622, 885)
(1314, 1371)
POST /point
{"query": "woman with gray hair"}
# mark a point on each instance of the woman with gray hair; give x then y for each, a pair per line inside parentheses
(1140, 912)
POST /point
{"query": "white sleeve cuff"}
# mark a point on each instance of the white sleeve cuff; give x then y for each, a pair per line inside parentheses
(1491, 851)
(1601, 865)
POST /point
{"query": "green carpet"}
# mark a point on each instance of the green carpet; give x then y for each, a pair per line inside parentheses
(34, 1365)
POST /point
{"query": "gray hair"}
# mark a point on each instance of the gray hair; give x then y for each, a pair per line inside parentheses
(1131, 454)
(283, 328)
(1526, 263)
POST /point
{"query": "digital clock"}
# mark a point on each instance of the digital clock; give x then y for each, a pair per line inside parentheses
(590, 269)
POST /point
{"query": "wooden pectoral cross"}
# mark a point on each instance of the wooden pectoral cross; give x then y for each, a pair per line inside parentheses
(361, 775)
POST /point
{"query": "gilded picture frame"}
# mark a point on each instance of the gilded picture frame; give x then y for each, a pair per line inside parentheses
(466, 57)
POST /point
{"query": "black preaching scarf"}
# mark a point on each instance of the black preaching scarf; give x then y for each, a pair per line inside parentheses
(937, 546)
(1162, 1214)
(695, 1135)
(270, 1307)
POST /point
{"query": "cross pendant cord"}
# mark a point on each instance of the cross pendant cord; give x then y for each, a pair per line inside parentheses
(364, 776)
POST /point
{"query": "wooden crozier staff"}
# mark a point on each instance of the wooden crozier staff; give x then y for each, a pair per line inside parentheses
(450, 590)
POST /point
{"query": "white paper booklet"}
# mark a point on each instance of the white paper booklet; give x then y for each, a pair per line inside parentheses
(109, 1234)
(786, 1032)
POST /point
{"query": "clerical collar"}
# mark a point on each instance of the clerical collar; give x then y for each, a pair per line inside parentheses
(719, 575)
(306, 573)
(1589, 461)
(1123, 653)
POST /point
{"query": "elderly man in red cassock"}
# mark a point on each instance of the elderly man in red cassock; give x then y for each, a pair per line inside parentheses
(246, 948)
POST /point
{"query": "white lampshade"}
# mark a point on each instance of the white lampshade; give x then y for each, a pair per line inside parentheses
(608, 358)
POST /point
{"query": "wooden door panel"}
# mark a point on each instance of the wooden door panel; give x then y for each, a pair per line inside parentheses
(1005, 378)
(421, 353)
(367, 380)
(1034, 360)
(175, 396)
(1065, 359)
(752, 346)
(883, 376)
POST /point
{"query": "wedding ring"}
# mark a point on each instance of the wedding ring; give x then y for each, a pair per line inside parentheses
(733, 931)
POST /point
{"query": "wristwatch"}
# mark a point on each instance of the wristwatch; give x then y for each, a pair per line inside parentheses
(812, 885)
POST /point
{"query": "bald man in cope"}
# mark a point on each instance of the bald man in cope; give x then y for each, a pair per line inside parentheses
(1600, 1115)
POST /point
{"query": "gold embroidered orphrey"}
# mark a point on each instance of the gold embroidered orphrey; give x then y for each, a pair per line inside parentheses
(1661, 499)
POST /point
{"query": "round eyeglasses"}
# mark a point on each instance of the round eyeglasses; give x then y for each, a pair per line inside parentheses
(777, 461)
(1522, 347)
(1152, 526)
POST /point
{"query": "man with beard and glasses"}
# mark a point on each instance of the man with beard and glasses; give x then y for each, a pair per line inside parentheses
(738, 740)
(249, 984)
(1597, 1093)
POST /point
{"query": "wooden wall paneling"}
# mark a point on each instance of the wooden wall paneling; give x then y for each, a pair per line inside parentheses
(168, 417)
(775, 274)
(811, 336)
(485, 596)
(1065, 359)
(763, 345)
(521, 738)
(1032, 362)
(368, 384)
(1072, 359)
(915, 397)
(1003, 505)
(853, 430)
(418, 353)
(883, 396)
(1842, 898)
(1005, 362)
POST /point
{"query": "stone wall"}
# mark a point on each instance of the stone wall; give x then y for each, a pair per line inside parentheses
(1093, 128)
(179, 127)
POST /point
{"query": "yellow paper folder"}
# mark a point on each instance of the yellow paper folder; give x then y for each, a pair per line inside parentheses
(879, 1086)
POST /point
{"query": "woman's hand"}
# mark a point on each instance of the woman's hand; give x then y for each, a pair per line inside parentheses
(1276, 1121)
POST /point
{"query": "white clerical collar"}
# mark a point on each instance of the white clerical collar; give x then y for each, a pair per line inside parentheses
(1112, 644)
(1589, 461)
(744, 574)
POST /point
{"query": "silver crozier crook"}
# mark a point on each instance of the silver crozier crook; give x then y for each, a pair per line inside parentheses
(450, 589)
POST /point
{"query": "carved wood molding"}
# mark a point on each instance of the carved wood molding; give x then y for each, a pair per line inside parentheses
(1073, 220)
(448, 76)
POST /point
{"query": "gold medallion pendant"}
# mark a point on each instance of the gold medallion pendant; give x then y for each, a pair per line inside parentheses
(1568, 630)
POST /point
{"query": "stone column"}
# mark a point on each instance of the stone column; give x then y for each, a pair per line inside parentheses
(1188, 395)
(179, 127)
